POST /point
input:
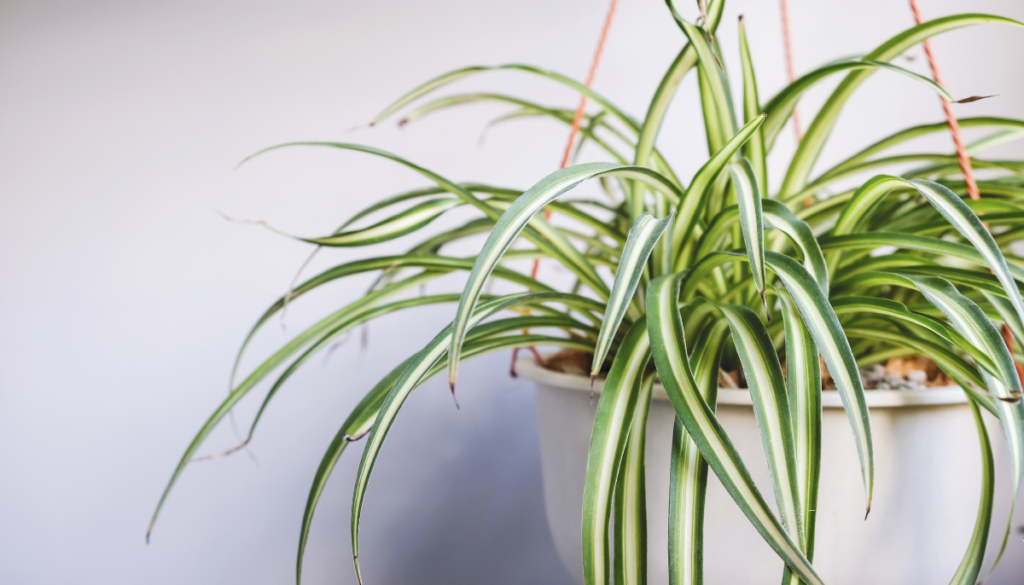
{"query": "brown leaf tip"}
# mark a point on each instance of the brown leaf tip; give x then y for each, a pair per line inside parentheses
(866, 513)
(974, 98)
(593, 376)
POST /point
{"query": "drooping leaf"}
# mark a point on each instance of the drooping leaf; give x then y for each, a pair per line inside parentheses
(817, 133)
(411, 377)
(748, 197)
(691, 204)
(630, 556)
(514, 220)
(821, 320)
(669, 350)
(754, 149)
(615, 414)
(969, 568)
(803, 382)
(642, 238)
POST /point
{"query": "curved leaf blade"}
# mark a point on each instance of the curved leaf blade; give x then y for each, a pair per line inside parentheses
(515, 219)
(828, 335)
(615, 413)
(639, 244)
(669, 349)
(748, 197)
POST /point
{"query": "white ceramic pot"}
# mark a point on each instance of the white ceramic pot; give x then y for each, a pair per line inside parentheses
(927, 487)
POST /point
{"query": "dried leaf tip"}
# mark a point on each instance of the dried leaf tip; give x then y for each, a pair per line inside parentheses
(974, 98)
(866, 513)
(593, 376)
(767, 313)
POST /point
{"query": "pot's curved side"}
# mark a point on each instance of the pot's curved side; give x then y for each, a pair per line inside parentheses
(927, 485)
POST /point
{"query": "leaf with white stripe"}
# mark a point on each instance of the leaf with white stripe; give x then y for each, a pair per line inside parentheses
(775, 216)
(692, 203)
(813, 142)
(828, 335)
(516, 218)
(771, 408)
(411, 377)
(668, 344)
(748, 197)
(803, 372)
(639, 243)
(968, 318)
(754, 149)
(407, 221)
(972, 322)
(970, 565)
(965, 221)
(781, 106)
(688, 474)
(631, 497)
(615, 412)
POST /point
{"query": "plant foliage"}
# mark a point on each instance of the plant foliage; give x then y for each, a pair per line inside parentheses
(711, 270)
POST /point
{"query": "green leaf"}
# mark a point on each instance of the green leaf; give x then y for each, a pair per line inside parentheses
(716, 98)
(970, 566)
(355, 426)
(403, 223)
(452, 76)
(748, 197)
(970, 227)
(688, 475)
(630, 497)
(817, 133)
(804, 385)
(896, 310)
(968, 318)
(540, 233)
(615, 413)
(771, 408)
(911, 242)
(931, 346)
(683, 63)
(359, 422)
(515, 219)
(828, 335)
(924, 130)
(669, 348)
(692, 203)
(755, 149)
(781, 107)
(775, 216)
(411, 377)
(641, 241)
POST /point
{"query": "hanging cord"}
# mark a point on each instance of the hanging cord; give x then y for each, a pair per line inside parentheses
(790, 70)
(577, 121)
(961, 155)
(947, 107)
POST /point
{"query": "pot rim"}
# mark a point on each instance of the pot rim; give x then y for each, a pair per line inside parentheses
(938, 396)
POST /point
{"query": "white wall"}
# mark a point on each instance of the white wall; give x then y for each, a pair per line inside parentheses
(124, 294)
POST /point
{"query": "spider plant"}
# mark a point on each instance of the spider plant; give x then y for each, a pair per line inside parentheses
(675, 280)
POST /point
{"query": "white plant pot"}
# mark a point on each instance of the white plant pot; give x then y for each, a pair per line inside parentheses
(927, 487)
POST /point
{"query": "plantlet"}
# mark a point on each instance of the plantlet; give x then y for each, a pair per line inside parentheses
(709, 273)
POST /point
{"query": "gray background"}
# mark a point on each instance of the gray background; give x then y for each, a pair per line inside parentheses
(124, 293)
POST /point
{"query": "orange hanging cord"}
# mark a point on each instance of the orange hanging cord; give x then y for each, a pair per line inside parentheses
(577, 121)
(790, 70)
(961, 153)
(947, 107)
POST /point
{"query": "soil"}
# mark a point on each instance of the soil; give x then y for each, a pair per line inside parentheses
(910, 373)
